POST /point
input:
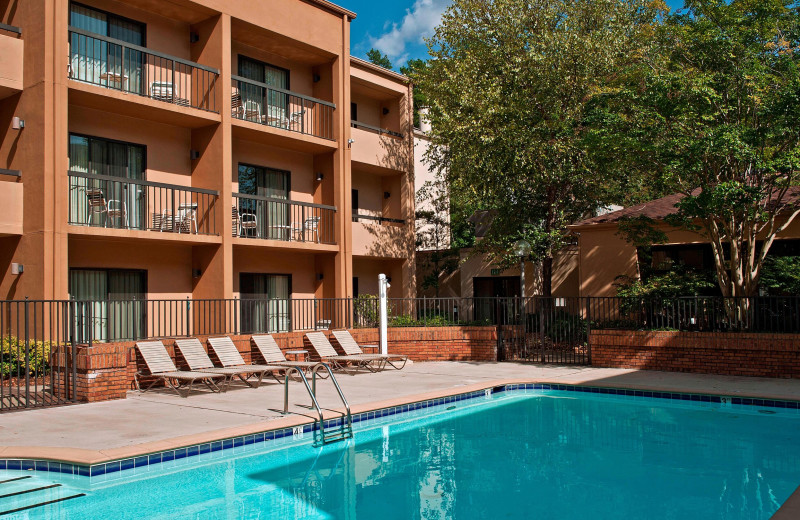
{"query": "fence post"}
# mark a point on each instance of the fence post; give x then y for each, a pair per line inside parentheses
(542, 318)
(27, 357)
(73, 349)
(383, 320)
(588, 331)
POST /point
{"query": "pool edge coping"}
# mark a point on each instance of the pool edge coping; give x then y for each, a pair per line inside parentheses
(91, 458)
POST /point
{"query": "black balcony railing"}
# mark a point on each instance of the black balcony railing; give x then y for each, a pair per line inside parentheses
(376, 129)
(118, 65)
(114, 202)
(382, 220)
(255, 216)
(272, 106)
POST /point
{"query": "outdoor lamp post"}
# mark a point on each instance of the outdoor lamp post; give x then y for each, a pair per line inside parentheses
(522, 249)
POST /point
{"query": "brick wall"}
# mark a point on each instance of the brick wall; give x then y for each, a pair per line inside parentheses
(106, 370)
(736, 354)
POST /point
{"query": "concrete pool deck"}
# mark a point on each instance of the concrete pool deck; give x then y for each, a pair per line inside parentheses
(161, 420)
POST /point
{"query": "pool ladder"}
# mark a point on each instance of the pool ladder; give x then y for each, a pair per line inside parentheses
(345, 431)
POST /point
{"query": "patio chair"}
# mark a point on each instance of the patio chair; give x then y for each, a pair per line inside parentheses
(347, 363)
(272, 353)
(351, 348)
(248, 220)
(165, 91)
(186, 216)
(229, 356)
(197, 359)
(252, 111)
(96, 204)
(309, 224)
(119, 210)
(161, 367)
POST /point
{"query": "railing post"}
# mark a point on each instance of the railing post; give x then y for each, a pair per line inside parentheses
(73, 348)
(188, 323)
(588, 331)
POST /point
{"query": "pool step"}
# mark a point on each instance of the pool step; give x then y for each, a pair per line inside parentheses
(24, 493)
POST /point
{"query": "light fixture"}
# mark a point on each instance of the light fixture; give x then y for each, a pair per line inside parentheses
(319, 176)
(194, 154)
(17, 268)
(194, 37)
(386, 194)
(319, 276)
(196, 273)
(522, 248)
(17, 123)
(385, 110)
(316, 78)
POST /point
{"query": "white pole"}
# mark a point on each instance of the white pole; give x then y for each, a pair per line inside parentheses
(383, 285)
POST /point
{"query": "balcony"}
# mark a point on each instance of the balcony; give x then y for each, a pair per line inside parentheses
(174, 212)
(11, 51)
(268, 218)
(121, 67)
(283, 109)
(384, 151)
(380, 237)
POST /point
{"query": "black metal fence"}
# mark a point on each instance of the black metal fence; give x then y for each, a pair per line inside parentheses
(118, 65)
(39, 340)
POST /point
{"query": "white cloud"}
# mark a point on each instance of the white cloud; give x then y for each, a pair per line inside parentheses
(418, 23)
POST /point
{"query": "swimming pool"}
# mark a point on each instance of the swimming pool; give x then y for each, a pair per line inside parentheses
(511, 453)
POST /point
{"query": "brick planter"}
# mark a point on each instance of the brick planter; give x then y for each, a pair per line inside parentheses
(106, 370)
(735, 354)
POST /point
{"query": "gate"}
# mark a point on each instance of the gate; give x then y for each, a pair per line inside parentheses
(38, 352)
(543, 330)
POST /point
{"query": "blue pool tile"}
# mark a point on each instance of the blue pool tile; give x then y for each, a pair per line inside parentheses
(69, 469)
(140, 461)
(168, 456)
(40, 465)
(227, 444)
(28, 464)
(705, 398)
(155, 458)
(216, 446)
(250, 439)
(127, 464)
(83, 471)
(193, 451)
(112, 467)
(98, 470)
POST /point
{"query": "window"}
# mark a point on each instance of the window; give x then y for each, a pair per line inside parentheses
(97, 156)
(96, 61)
(265, 302)
(353, 112)
(271, 215)
(116, 307)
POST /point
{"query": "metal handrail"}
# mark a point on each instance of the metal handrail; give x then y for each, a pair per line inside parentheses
(283, 90)
(357, 124)
(283, 201)
(10, 28)
(145, 50)
(312, 392)
(124, 180)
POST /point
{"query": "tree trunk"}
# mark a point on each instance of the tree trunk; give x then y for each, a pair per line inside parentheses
(547, 276)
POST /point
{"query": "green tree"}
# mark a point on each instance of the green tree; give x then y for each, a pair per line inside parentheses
(378, 58)
(508, 84)
(413, 68)
(714, 113)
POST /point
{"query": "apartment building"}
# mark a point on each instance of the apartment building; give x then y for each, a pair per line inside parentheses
(202, 149)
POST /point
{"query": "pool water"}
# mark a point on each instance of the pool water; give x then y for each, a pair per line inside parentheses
(540, 454)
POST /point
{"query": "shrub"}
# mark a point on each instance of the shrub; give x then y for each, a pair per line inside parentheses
(12, 357)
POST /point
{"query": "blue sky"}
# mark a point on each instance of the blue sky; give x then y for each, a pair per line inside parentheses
(397, 27)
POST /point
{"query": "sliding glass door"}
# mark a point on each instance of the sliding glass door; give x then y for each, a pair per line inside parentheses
(272, 107)
(89, 198)
(111, 303)
(272, 216)
(102, 63)
(265, 302)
